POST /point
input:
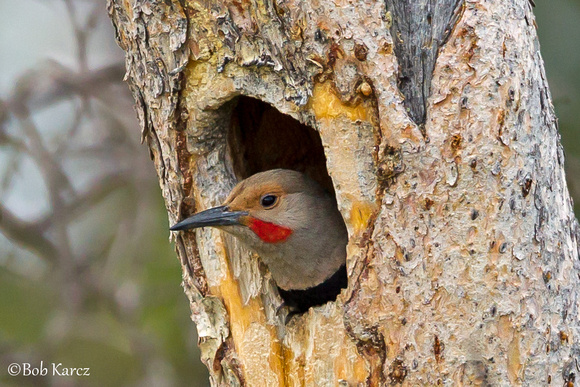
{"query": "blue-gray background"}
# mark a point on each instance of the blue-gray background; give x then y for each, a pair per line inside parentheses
(87, 275)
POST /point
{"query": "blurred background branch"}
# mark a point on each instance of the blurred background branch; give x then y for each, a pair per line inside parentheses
(87, 276)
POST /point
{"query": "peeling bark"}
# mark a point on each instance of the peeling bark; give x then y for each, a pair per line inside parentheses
(463, 253)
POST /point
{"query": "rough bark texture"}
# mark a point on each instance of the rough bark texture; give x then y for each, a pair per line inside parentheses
(463, 255)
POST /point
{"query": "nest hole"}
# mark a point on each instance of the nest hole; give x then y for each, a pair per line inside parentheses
(261, 138)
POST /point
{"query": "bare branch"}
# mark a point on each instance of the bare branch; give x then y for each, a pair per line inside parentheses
(95, 194)
(26, 235)
(54, 82)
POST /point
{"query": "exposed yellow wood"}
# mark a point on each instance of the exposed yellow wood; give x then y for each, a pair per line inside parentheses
(326, 104)
(252, 336)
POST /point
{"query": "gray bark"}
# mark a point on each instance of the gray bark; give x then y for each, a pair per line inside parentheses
(418, 29)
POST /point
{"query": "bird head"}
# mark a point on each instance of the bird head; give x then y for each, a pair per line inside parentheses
(288, 219)
(271, 204)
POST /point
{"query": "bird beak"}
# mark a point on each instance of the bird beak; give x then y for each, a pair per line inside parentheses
(218, 216)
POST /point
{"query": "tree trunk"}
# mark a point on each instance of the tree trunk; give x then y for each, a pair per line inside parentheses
(432, 123)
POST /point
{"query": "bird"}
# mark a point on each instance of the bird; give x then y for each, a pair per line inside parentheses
(294, 225)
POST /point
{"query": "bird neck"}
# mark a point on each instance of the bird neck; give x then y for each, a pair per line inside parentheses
(300, 300)
(269, 232)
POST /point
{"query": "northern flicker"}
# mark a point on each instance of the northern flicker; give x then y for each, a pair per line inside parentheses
(294, 225)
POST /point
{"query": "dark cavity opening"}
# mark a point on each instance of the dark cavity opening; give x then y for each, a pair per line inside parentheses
(261, 138)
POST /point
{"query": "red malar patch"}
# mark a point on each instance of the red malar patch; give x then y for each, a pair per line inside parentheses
(269, 232)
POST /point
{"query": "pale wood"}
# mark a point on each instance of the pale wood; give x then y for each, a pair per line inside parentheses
(463, 254)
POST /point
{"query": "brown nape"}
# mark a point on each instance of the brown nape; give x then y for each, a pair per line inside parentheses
(261, 138)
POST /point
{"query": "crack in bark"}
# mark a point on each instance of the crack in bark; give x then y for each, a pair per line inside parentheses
(417, 40)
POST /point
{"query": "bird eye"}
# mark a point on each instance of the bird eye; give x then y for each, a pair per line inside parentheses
(268, 201)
